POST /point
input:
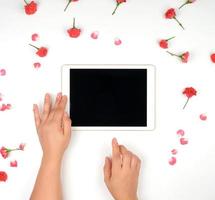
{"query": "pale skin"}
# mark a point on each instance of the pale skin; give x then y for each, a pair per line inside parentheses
(53, 125)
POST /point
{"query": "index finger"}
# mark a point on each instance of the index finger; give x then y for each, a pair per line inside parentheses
(116, 157)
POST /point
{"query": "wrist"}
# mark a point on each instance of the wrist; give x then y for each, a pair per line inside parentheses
(135, 198)
(54, 161)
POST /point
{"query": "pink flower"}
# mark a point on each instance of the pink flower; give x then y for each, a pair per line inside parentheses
(184, 57)
(13, 163)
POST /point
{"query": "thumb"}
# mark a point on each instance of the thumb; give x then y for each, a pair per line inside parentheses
(66, 125)
(107, 169)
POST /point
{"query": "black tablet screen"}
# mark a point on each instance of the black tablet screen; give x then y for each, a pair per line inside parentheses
(108, 97)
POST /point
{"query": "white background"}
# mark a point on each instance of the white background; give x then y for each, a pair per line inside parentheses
(139, 24)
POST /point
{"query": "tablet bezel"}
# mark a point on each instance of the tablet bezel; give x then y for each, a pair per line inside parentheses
(151, 94)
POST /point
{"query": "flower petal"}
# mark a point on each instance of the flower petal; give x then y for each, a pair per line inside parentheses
(117, 42)
(180, 132)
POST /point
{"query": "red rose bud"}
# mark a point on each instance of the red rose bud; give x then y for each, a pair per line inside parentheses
(74, 32)
(69, 4)
(42, 51)
(118, 2)
(30, 8)
(184, 57)
(3, 176)
(171, 14)
(189, 92)
(187, 2)
(164, 43)
(213, 57)
(4, 152)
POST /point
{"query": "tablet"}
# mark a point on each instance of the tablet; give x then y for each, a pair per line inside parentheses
(110, 97)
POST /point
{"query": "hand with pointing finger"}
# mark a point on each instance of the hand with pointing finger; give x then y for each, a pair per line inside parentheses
(121, 173)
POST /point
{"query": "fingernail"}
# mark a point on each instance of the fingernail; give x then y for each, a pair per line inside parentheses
(47, 95)
(59, 95)
(115, 141)
(34, 106)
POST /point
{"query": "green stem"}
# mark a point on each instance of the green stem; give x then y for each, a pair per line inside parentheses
(186, 103)
(25, 2)
(117, 5)
(9, 150)
(183, 5)
(67, 5)
(180, 24)
(170, 38)
(172, 54)
(73, 22)
(34, 46)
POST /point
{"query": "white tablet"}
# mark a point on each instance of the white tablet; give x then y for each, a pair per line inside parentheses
(110, 97)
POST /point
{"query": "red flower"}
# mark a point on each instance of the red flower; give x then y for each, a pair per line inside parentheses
(118, 2)
(184, 57)
(4, 152)
(74, 32)
(30, 8)
(164, 43)
(42, 51)
(213, 57)
(13, 163)
(189, 92)
(187, 2)
(69, 3)
(3, 176)
(171, 14)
